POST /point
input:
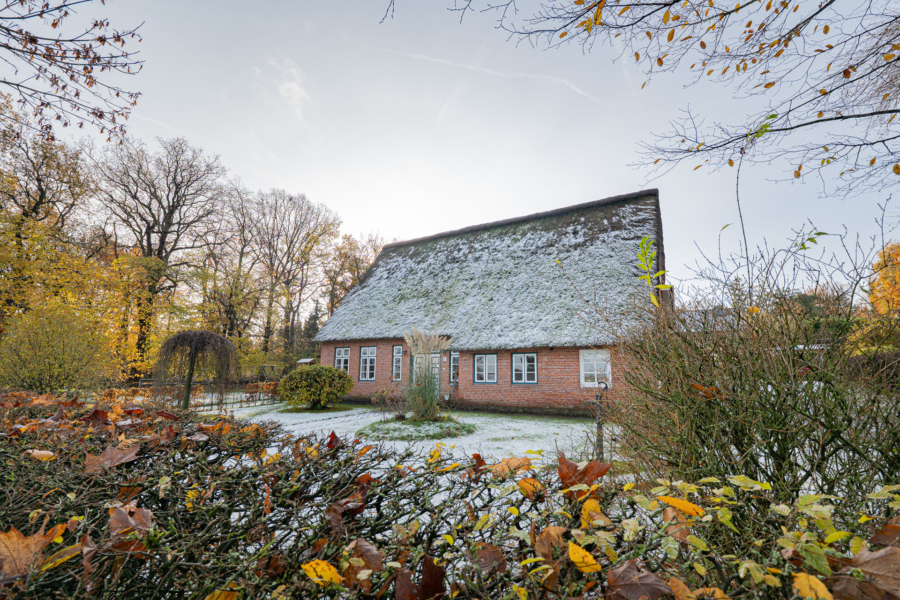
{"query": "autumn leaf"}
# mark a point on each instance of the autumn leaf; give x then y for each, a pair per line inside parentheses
(808, 586)
(166, 415)
(583, 560)
(888, 533)
(97, 418)
(591, 512)
(431, 587)
(123, 522)
(225, 594)
(41, 455)
(510, 466)
(321, 572)
(488, 558)
(571, 475)
(19, 553)
(680, 590)
(61, 556)
(678, 529)
(627, 583)
(362, 452)
(549, 538)
(109, 458)
(531, 488)
(684, 506)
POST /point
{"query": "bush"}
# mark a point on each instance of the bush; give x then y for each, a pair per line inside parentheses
(54, 348)
(185, 514)
(741, 380)
(314, 387)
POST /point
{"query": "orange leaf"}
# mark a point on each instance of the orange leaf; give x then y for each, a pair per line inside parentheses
(684, 506)
(531, 488)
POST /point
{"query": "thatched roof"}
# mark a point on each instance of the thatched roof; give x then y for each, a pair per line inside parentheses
(498, 285)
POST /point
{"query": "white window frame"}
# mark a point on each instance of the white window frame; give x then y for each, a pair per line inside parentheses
(486, 359)
(523, 358)
(397, 364)
(434, 365)
(367, 356)
(454, 364)
(342, 359)
(589, 356)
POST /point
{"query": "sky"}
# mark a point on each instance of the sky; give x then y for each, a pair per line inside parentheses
(423, 124)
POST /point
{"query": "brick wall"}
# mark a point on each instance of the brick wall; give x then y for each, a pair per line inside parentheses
(558, 388)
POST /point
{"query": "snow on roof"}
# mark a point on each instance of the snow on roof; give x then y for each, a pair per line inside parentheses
(498, 285)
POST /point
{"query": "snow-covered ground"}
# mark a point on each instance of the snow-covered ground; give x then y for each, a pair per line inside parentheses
(496, 435)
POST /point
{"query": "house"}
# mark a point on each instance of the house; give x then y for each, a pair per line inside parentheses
(511, 296)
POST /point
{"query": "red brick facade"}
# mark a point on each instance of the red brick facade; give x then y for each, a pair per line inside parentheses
(558, 372)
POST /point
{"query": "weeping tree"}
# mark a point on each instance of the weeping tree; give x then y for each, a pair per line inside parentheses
(191, 351)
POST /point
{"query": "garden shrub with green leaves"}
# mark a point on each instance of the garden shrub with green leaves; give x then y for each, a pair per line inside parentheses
(118, 500)
(314, 387)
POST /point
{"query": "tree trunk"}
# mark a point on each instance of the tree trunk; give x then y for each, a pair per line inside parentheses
(189, 378)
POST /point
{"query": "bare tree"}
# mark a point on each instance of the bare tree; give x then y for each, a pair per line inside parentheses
(162, 204)
(291, 234)
(824, 76)
(66, 77)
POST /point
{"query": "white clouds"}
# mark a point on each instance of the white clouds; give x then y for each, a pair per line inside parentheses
(288, 81)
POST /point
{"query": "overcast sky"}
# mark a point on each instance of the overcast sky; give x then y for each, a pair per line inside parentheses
(424, 124)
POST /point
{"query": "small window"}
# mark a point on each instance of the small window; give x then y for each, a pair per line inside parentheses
(454, 367)
(367, 363)
(485, 368)
(595, 367)
(397, 364)
(342, 359)
(524, 368)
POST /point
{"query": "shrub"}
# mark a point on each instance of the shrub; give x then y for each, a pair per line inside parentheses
(208, 509)
(742, 380)
(54, 348)
(314, 387)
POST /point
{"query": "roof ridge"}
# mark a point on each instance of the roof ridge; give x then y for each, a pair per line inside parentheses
(531, 217)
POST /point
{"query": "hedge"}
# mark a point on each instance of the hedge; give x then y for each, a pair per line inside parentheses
(314, 387)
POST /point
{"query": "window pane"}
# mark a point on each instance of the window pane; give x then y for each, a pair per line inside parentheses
(531, 368)
(491, 368)
(479, 368)
(518, 368)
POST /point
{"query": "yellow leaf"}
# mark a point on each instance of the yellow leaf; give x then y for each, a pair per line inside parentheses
(700, 569)
(897, 169)
(820, 115)
(361, 452)
(451, 467)
(770, 84)
(796, 174)
(598, 14)
(321, 572)
(520, 591)
(530, 488)
(697, 167)
(666, 17)
(825, 29)
(563, 34)
(591, 512)
(582, 559)
(513, 510)
(622, 12)
(684, 506)
(823, 91)
(871, 162)
(579, 1)
(697, 543)
(637, 56)
(659, 61)
(225, 594)
(730, 163)
(671, 35)
(41, 454)
(888, 57)
(680, 590)
(61, 556)
(808, 586)
(448, 538)
(711, 592)
(628, 486)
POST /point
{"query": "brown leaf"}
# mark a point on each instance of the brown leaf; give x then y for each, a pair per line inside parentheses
(510, 466)
(549, 538)
(431, 586)
(166, 415)
(109, 458)
(88, 551)
(97, 418)
(333, 441)
(351, 506)
(571, 475)
(131, 488)
(678, 529)
(882, 566)
(122, 522)
(680, 590)
(270, 566)
(18, 553)
(488, 559)
(365, 557)
(888, 534)
(627, 583)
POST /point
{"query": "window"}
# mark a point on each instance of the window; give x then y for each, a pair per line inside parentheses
(524, 368)
(485, 368)
(397, 364)
(367, 363)
(595, 367)
(454, 367)
(342, 359)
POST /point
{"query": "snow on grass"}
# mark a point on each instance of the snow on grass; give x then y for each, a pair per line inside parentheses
(496, 435)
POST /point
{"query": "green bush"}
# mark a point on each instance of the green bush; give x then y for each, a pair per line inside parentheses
(54, 348)
(314, 387)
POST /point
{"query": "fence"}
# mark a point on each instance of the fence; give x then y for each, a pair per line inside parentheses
(206, 396)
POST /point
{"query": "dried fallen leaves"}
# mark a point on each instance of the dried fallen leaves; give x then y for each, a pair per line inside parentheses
(109, 458)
